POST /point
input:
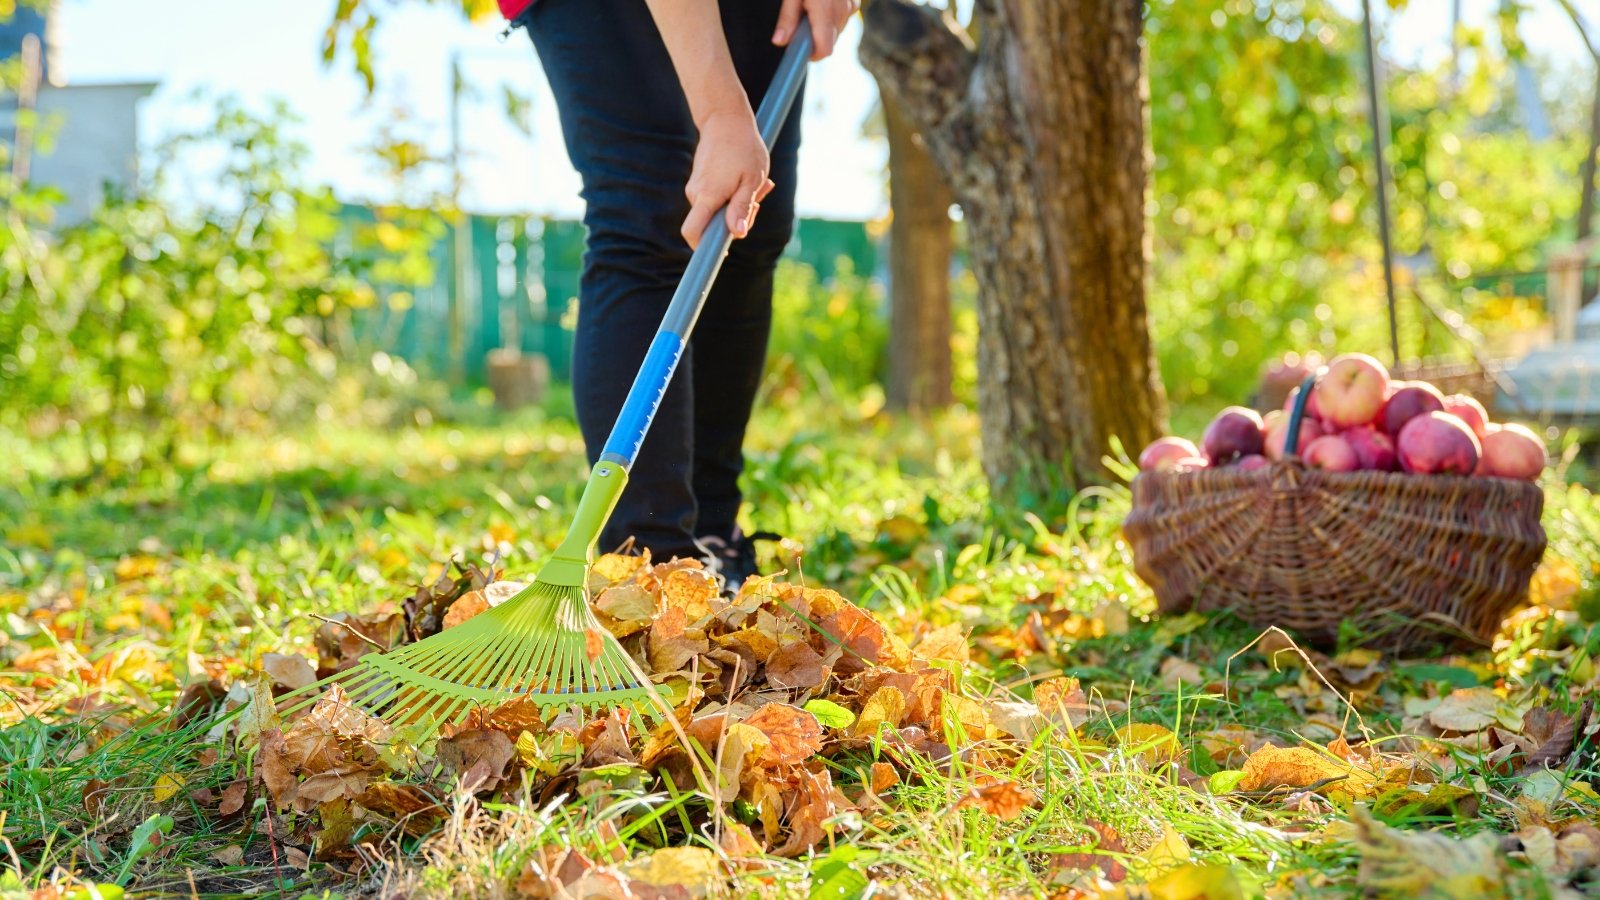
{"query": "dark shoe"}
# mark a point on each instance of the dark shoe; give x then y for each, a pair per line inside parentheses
(734, 557)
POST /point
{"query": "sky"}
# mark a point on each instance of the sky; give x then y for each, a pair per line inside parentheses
(261, 50)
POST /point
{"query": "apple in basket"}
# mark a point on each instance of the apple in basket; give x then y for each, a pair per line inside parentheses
(1278, 433)
(1374, 450)
(1437, 443)
(1255, 462)
(1235, 432)
(1512, 451)
(1409, 401)
(1163, 454)
(1469, 410)
(1332, 453)
(1351, 392)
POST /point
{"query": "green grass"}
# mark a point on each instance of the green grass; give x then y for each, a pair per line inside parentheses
(233, 551)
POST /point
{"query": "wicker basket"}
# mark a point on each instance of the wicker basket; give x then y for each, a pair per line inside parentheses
(1408, 560)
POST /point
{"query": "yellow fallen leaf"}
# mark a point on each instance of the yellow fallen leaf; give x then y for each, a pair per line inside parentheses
(1397, 863)
(1466, 710)
(694, 869)
(1190, 881)
(887, 706)
(1300, 767)
(1152, 743)
(166, 787)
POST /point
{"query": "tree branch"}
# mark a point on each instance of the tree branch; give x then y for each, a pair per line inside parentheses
(1583, 30)
(921, 57)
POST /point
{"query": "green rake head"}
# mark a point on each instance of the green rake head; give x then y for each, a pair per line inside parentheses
(543, 645)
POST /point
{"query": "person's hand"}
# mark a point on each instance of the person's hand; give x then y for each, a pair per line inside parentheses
(730, 167)
(827, 18)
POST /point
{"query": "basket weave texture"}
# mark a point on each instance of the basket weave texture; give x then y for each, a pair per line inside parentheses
(1409, 560)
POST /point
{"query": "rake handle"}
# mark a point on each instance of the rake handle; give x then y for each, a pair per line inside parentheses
(661, 361)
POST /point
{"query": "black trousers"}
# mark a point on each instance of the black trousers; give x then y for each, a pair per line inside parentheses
(629, 134)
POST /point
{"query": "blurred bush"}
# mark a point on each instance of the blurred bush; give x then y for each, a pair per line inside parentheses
(155, 321)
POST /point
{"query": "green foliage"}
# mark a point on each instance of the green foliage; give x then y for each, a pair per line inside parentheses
(832, 330)
(1264, 217)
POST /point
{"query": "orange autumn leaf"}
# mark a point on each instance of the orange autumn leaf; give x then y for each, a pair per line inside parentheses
(1002, 799)
(1300, 767)
(468, 606)
(795, 734)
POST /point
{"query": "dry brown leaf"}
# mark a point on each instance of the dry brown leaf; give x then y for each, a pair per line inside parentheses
(673, 644)
(795, 734)
(1467, 710)
(947, 644)
(627, 608)
(1105, 841)
(471, 604)
(884, 777)
(402, 802)
(797, 666)
(1003, 799)
(688, 589)
(1397, 863)
(1022, 721)
(289, 670)
(478, 758)
(231, 855)
(1062, 699)
(1176, 670)
(810, 801)
(739, 845)
(232, 798)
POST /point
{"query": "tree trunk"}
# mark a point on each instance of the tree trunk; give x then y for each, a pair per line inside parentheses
(1586, 203)
(1040, 131)
(921, 243)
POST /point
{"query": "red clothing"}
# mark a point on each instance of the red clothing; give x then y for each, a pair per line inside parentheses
(513, 8)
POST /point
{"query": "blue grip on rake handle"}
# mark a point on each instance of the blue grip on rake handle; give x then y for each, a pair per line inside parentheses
(644, 398)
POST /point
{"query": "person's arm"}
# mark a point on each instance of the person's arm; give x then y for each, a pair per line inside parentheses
(730, 161)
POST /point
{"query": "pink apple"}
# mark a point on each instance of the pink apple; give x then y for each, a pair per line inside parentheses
(1235, 432)
(1313, 405)
(1469, 410)
(1164, 453)
(1374, 449)
(1278, 434)
(1351, 392)
(1253, 462)
(1513, 451)
(1407, 403)
(1438, 443)
(1331, 452)
(1191, 464)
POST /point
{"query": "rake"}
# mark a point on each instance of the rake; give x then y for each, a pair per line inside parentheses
(544, 644)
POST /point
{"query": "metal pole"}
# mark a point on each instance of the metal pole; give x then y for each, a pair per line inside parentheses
(1380, 127)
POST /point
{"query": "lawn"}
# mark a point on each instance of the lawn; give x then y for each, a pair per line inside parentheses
(1012, 718)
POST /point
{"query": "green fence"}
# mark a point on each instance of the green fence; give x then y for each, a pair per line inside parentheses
(521, 290)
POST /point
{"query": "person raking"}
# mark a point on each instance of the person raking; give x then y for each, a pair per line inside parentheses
(654, 99)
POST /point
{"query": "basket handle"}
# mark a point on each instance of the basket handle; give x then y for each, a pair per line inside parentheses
(1291, 441)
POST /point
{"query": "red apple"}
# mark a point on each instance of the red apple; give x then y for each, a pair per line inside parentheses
(1313, 405)
(1253, 462)
(1351, 392)
(1513, 451)
(1164, 453)
(1278, 434)
(1331, 452)
(1235, 432)
(1408, 402)
(1438, 443)
(1469, 410)
(1374, 449)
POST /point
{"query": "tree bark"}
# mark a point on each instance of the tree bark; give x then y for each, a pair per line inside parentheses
(1587, 172)
(1039, 129)
(921, 243)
